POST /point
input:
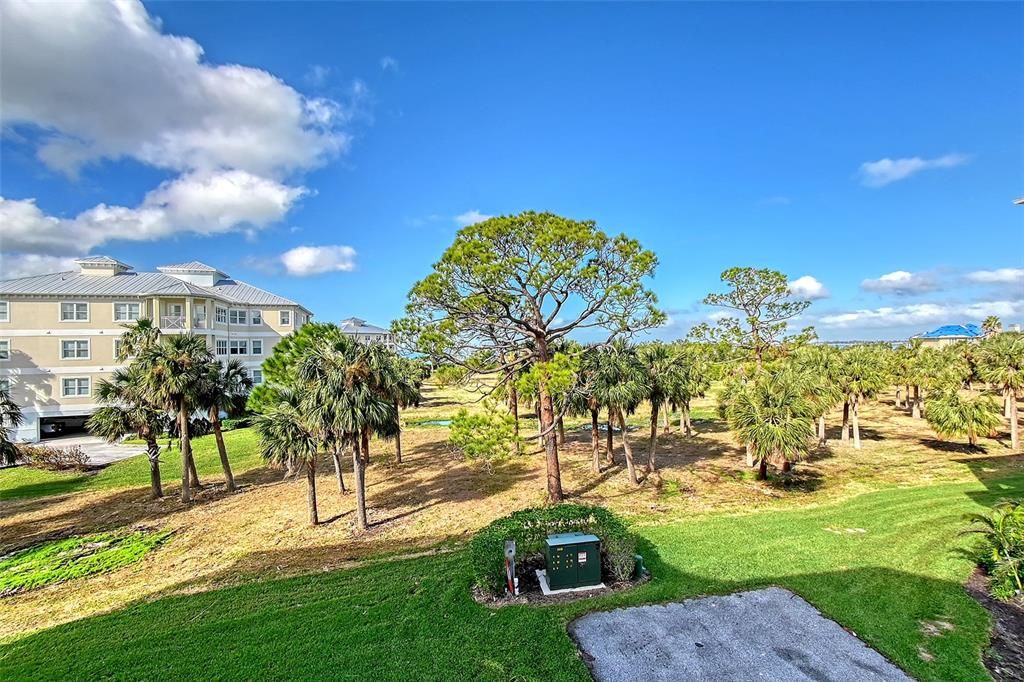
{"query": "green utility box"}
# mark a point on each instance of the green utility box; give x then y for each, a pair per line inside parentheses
(573, 560)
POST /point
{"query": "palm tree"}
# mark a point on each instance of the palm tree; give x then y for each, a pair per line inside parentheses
(862, 374)
(953, 412)
(620, 385)
(583, 401)
(396, 379)
(1001, 362)
(693, 383)
(991, 325)
(10, 418)
(286, 440)
(127, 410)
(771, 415)
(821, 365)
(173, 373)
(225, 388)
(138, 336)
(1003, 537)
(665, 376)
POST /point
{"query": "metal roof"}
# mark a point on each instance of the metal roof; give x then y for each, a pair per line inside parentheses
(190, 266)
(354, 325)
(102, 260)
(969, 331)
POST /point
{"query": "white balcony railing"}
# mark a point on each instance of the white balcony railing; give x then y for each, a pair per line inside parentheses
(172, 322)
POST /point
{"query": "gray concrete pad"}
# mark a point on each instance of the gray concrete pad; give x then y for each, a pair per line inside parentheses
(99, 451)
(769, 634)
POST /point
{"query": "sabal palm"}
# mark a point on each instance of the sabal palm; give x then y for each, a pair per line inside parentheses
(821, 366)
(583, 400)
(1001, 362)
(665, 376)
(620, 385)
(991, 325)
(225, 388)
(862, 374)
(287, 440)
(173, 373)
(772, 416)
(396, 380)
(694, 383)
(953, 412)
(127, 409)
(10, 419)
(137, 337)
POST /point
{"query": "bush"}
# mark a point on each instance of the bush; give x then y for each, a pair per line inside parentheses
(1001, 551)
(530, 527)
(53, 459)
(489, 436)
(232, 424)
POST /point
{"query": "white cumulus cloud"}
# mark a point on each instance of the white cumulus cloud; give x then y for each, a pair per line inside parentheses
(809, 288)
(885, 171)
(471, 218)
(901, 283)
(388, 63)
(922, 314)
(305, 261)
(999, 276)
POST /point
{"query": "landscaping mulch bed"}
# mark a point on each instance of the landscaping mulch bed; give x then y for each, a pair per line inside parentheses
(1005, 656)
(530, 593)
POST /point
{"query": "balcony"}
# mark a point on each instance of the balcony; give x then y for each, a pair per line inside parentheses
(172, 322)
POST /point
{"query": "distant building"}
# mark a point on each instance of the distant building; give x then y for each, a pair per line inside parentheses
(950, 333)
(363, 332)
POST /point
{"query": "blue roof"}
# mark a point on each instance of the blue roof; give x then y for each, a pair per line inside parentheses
(968, 330)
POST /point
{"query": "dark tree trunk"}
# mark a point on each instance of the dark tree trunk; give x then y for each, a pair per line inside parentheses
(653, 445)
(856, 421)
(359, 473)
(193, 473)
(906, 396)
(547, 424)
(336, 456)
(153, 453)
(314, 519)
(627, 448)
(366, 446)
(916, 412)
(398, 437)
(609, 442)
(846, 420)
(229, 479)
(762, 470)
(186, 452)
(595, 442)
(787, 466)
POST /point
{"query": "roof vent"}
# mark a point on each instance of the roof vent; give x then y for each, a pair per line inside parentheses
(101, 266)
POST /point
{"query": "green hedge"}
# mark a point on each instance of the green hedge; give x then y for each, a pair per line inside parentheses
(232, 424)
(530, 527)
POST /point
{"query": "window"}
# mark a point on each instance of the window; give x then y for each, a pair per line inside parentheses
(74, 312)
(5, 350)
(257, 317)
(117, 348)
(75, 349)
(221, 315)
(126, 312)
(286, 318)
(240, 347)
(257, 377)
(5, 385)
(239, 317)
(257, 346)
(222, 347)
(5, 311)
(76, 386)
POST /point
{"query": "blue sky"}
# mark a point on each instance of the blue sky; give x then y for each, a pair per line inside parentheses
(874, 149)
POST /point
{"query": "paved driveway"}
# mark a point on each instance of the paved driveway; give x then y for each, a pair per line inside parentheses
(99, 451)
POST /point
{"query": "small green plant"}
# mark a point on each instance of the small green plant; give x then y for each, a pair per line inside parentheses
(488, 437)
(1001, 553)
(62, 560)
(530, 527)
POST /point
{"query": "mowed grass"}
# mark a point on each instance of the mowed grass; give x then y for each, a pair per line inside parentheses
(887, 565)
(21, 482)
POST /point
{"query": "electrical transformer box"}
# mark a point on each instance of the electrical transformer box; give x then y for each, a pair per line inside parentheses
(573, 560)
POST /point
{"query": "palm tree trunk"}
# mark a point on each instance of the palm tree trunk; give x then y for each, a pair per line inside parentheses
(186, 452)
(398, 437)
(822, 439)
(609, 443)
(192, 472)
(846, 420)
(359, 472)
(653, 445)
(626, 447)
(916, 413)
(856, 422)
(667, 419)
(314, 519)
(899, 397)
(762, 470)
(1014, 426)
(153, 453)
(1006, 402)
(750, 455)
(336, 456)
(595, 442)
(229, 479)
(686, 418)
(906, 396)
(366, 446)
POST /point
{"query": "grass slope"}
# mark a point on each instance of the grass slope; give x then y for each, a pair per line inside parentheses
(883, 564)
(23, 482)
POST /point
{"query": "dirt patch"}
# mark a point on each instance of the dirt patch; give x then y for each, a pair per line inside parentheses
(1005, 655)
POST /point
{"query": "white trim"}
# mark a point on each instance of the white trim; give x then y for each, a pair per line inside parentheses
(216, 352)
(60, 312)
(280, 318)
(252, 348)
(57, 371)
(52, 332)
(7, 305)
(243, 311)
(60, 410)
(239, 343)
(216, 317)
(88, 350)
(63, 387)
(113, 310)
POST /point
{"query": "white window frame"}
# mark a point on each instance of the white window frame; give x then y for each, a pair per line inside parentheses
(6, 307)
(5, 385)
(5, 349)
(241, 344)
(256, 317)
(252, 346)
(285, 318)
(257, 376)
(220, 315)
(64, 387)
(60, 311)
(216, 347)
(76, 356)
(116, 347)
(238, 317)
(128, 317)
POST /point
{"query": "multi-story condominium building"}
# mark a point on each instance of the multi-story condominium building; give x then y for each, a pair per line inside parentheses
(59, 333)
(366, 333)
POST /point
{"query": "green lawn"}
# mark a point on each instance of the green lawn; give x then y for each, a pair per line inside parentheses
(24, 481)
(881, 564)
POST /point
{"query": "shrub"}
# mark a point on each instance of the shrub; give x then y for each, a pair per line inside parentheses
(1001, 552)
(487, 436)
(232, 424)
(53, 459)
(530, 527)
